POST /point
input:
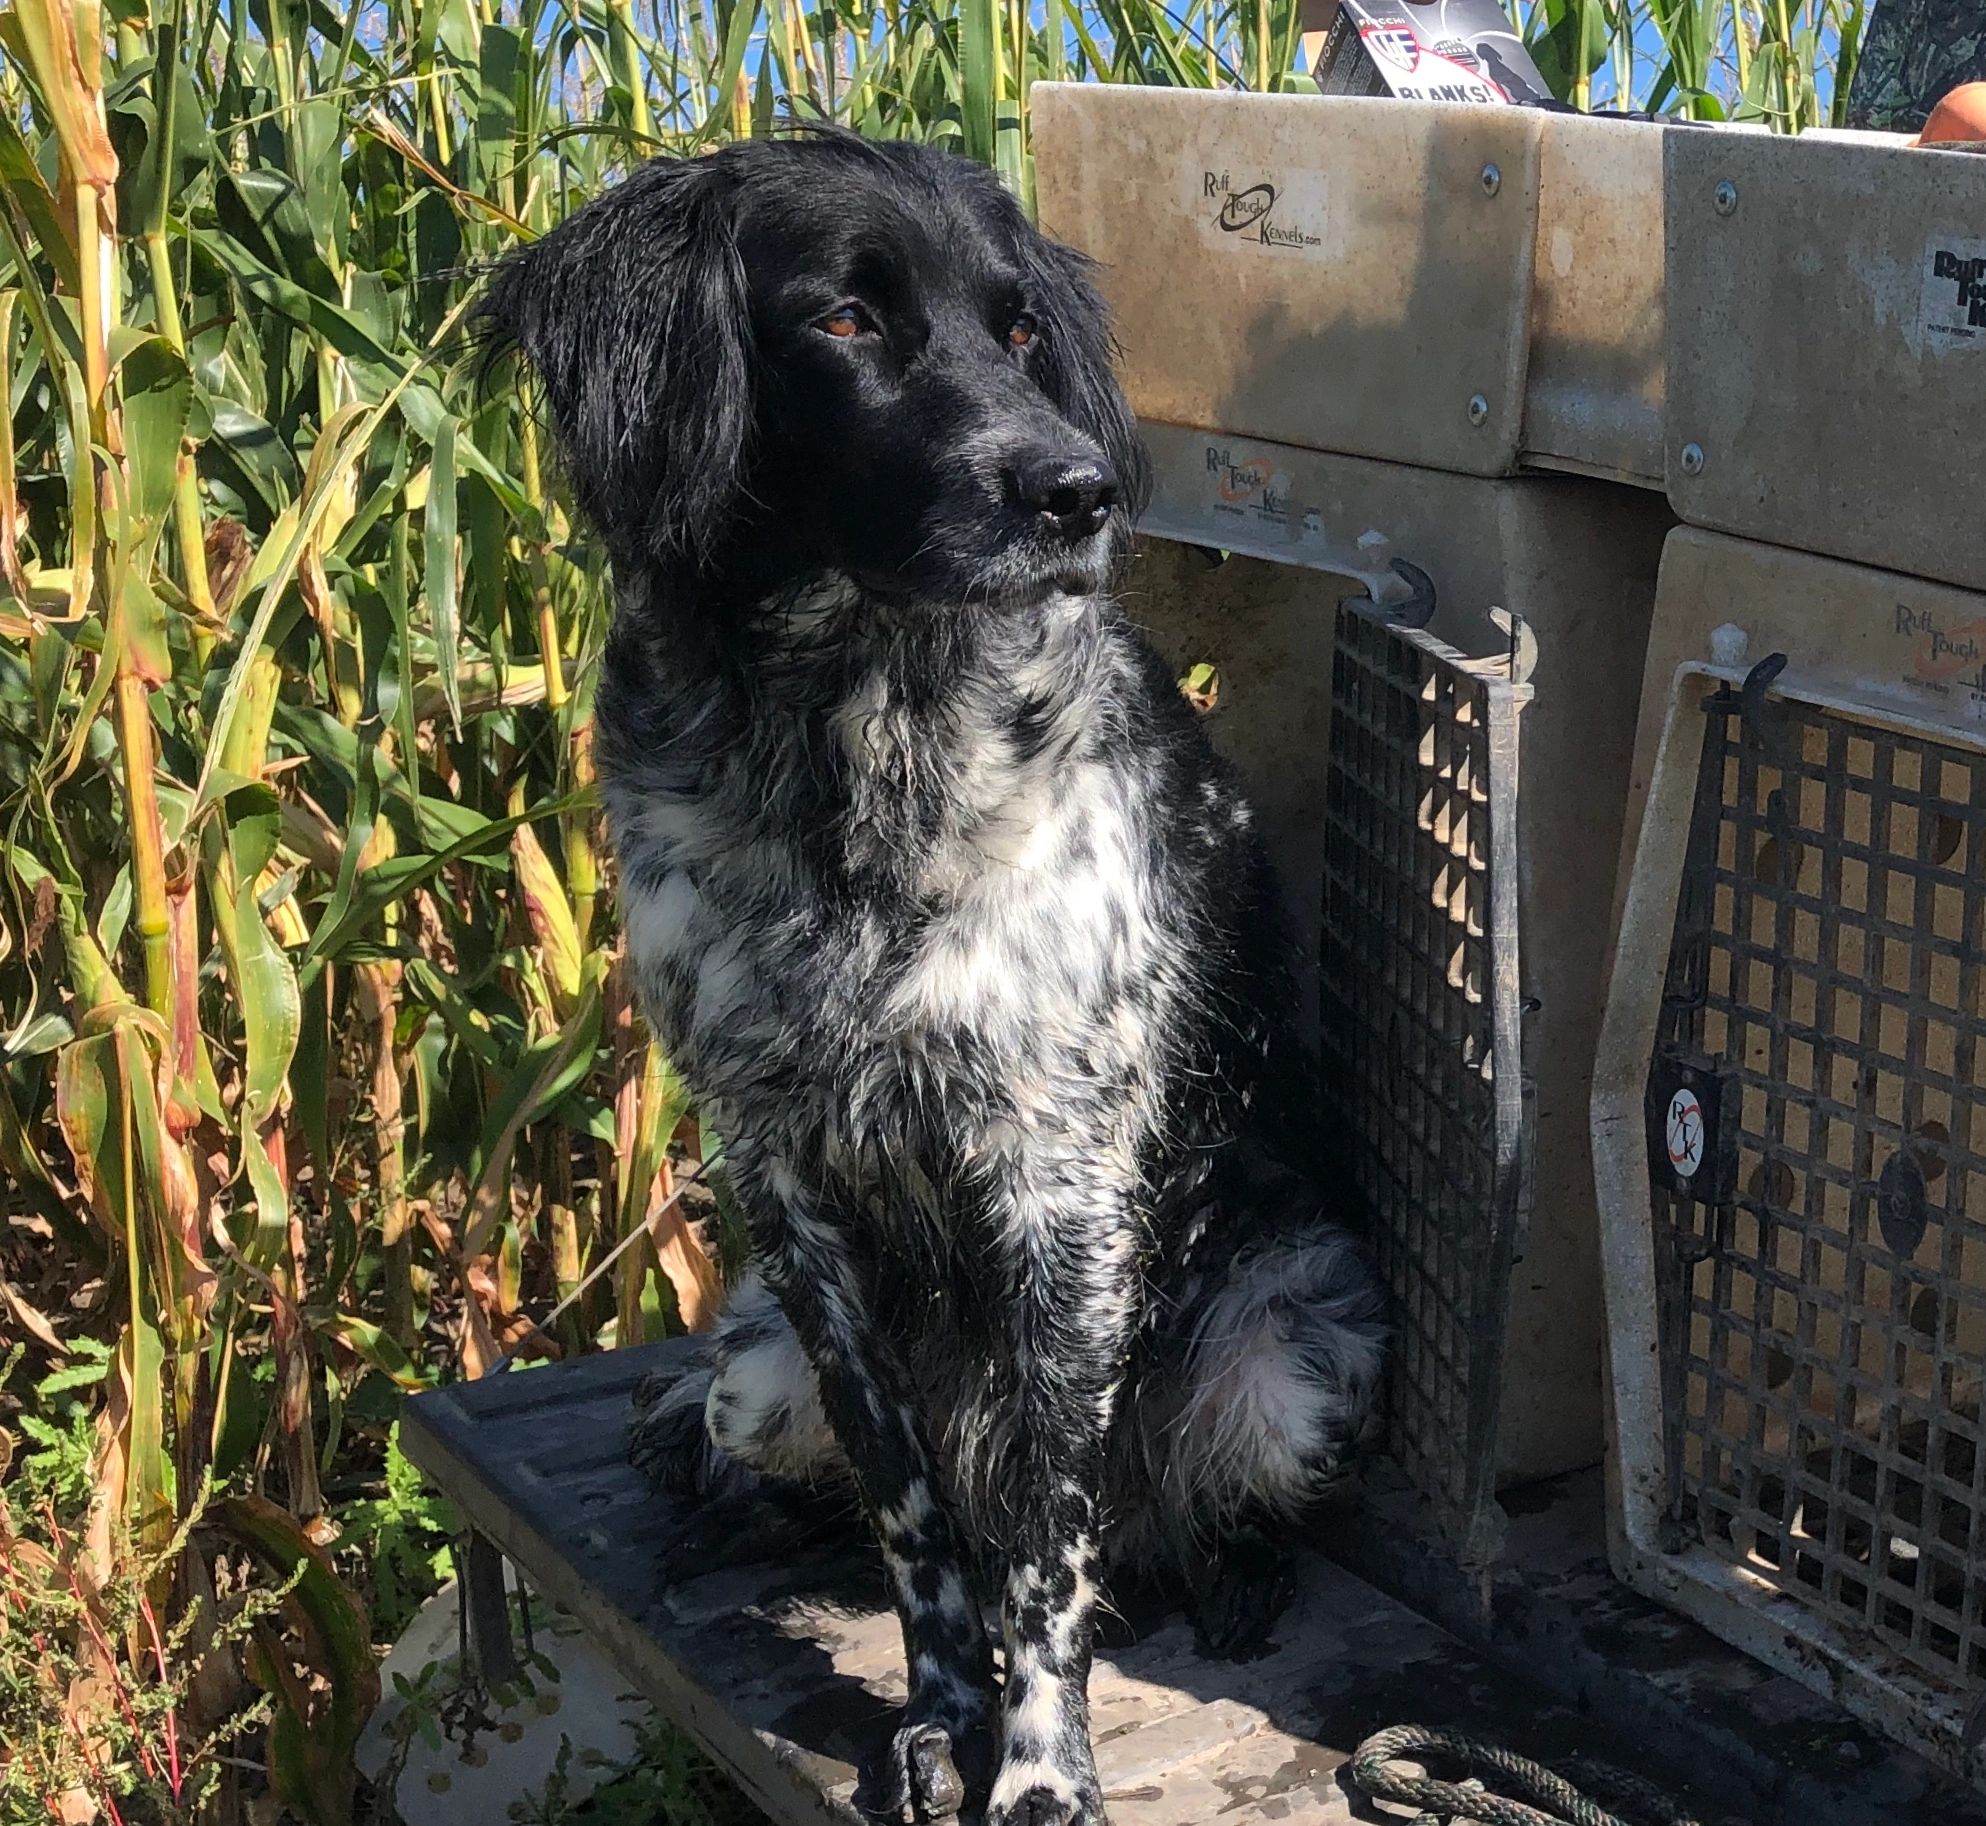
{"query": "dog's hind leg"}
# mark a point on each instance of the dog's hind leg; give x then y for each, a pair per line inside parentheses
(668, 1442)
(740, 1439)
(763, 1403)
(818, 1272)
(1275, 1382)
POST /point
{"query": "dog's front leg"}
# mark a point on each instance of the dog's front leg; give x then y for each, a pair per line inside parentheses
(1072, 1323)
(822, 1280)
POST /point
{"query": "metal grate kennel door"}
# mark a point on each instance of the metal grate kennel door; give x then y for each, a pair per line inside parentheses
(1421, 1022)
(1823, 1323)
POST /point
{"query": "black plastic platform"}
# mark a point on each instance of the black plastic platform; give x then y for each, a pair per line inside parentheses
(789, 1675)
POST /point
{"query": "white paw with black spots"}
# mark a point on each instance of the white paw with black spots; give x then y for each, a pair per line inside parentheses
(1050, 1804)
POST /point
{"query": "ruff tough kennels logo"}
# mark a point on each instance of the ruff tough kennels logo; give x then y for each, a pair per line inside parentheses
(1244, 487)
(1943, 656)
(1251, 212)
(1953, 313)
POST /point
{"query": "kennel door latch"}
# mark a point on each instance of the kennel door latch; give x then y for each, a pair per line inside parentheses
(1694, 1111)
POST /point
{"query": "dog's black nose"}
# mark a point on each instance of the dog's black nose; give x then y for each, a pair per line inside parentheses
(1073, 494)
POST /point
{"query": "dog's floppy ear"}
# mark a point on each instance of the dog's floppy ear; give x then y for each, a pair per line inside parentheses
(1078, 370)
(634, 315)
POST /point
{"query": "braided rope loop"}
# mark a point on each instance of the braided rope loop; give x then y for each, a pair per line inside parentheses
(1548, 1798)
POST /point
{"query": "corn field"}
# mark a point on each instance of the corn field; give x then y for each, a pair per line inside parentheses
(319, 1074)
(1790, 66)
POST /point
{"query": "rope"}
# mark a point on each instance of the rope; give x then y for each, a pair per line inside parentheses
(1557, 1801)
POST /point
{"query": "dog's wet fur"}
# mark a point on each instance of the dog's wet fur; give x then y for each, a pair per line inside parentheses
(943, 906)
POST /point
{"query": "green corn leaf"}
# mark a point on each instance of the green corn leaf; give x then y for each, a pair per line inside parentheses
(502, 57)
(87, 1106)
(422, 408)
(388, 882)
(440, 571)
(265, 984)
(156, 390)
(245, 446)
(546, 1074)
(268, 218)
(325, 1632)
(375, 1348)
(316, 312)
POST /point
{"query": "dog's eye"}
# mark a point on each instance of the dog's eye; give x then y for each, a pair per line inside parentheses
(847, 320)
(1022, 330)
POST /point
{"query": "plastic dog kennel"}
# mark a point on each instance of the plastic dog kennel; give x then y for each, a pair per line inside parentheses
(1346, 326)
(1827, 345)
(1790, 1130)
(1475, 290)
(1414, 787)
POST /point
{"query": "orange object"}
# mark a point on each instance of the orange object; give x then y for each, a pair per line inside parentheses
(1959, 120)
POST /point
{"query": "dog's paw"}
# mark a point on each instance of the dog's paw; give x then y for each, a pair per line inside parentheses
(1045, 1798)
(1240, 1593)
(925, 1773)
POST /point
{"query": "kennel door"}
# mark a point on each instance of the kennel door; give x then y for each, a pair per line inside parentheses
(1422, 1013)
(1804, 1470)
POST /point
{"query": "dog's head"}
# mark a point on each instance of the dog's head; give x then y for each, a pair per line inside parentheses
(822, 353)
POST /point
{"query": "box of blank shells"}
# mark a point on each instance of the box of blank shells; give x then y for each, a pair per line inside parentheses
(1790, 1130)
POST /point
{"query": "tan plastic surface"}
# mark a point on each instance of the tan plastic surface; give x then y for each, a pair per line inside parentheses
(1376, 277)
(1824, 357)
(1899, 643)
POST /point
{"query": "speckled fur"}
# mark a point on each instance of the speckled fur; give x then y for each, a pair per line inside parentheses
(944, 907)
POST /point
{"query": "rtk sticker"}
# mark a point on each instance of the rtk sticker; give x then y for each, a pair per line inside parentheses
(1953, 311)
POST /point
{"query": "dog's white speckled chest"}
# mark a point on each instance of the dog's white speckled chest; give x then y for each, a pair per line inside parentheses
(981, 893)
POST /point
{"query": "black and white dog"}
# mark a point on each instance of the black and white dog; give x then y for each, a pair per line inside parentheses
(944, 907)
